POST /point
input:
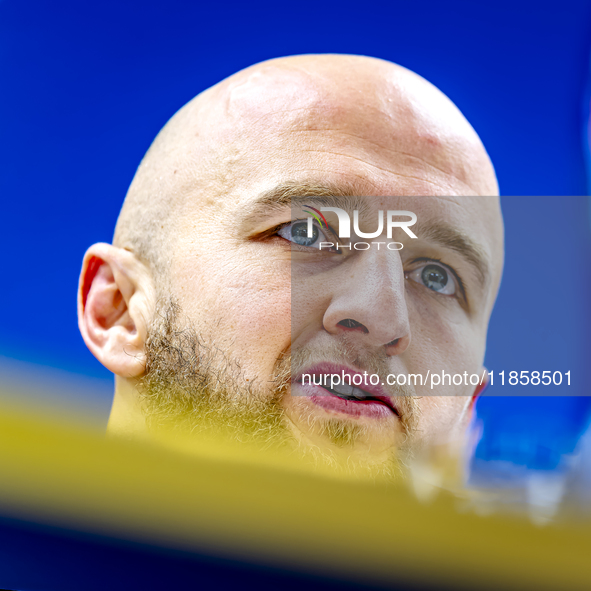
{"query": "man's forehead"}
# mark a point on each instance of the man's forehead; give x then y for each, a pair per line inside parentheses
(274, 105)
(321, 93)
(381, 114)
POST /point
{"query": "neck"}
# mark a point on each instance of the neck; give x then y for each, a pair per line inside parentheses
(126, 418)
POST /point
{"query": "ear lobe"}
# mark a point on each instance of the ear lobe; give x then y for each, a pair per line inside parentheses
(112, 305)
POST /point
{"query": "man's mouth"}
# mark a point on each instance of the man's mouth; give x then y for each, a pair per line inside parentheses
(369, 400)
(346, 392)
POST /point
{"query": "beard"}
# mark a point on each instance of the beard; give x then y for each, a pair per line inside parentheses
(191, 387)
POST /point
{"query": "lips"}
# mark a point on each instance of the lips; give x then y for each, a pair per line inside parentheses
(369, 400)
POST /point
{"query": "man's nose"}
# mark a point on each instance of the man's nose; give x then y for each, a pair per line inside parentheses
(369, 302)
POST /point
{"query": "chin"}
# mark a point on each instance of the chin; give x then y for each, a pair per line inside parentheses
(363, 438)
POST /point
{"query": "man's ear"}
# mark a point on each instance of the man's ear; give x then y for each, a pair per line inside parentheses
(481, 387)
(115, 305)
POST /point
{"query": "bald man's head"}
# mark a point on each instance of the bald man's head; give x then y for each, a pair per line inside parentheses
(234, 131)
(217, 298)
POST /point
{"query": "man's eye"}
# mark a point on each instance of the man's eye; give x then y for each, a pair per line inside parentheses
(436, 278)
(297, 232)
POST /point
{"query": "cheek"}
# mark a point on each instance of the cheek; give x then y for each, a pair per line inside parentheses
(443, 418)
(260, 324)
(310, 298)
(244, 311)
(445, 339)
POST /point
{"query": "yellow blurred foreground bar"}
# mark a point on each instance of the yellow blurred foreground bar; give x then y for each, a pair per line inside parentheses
(257, 509)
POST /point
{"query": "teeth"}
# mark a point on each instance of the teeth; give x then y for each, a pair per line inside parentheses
(344, 389)
(359, 393)
(351, 392)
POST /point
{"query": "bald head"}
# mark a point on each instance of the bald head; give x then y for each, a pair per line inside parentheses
(362, 122)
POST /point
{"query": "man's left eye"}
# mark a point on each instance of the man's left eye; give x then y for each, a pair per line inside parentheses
(297, 232)
(435, 277)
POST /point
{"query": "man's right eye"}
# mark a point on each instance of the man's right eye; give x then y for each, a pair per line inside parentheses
(297, 233)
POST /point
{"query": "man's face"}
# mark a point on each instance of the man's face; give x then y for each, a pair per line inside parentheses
(262, 301)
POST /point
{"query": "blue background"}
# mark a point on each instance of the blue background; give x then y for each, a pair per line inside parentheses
(84, 88)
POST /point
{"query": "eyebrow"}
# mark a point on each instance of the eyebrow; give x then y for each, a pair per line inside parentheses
(449, 237)
(293, 194)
